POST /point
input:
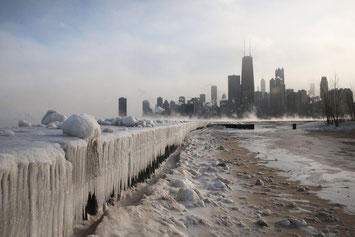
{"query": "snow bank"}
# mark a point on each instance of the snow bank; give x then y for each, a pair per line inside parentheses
(24, 123)
(81, 125)
(52, 116)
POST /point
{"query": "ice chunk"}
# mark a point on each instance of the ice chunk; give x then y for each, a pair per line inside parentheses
(104, 122)
(128, 121)
(187, 194)
(54, 125)
(116, 121)
(52, 116)
(7, 133)
(150, 123)
(82, 126)
(24, 123)
(142, 123)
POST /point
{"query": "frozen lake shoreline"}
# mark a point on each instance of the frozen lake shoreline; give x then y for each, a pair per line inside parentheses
(315, 157)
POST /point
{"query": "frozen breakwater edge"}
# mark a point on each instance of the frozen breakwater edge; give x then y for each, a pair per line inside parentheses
(47, 178)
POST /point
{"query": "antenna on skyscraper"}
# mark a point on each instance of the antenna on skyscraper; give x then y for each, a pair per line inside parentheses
(244, 48)
(249, 47)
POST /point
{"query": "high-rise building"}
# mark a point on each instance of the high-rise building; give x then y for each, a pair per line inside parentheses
(214, 95)
(323, 87)
(203, 98)
(234, 94)
(262, 86)
(312, 90)
(122, 107)
(224, 96)
(182, 99)
(166, 106)
(160, 102)
(247, 87)
(146, 107)
(279, 73)
(277, 97)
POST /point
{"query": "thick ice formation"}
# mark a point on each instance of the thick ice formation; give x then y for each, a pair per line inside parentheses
(52, 116)
(44, 185)
(24, 123)
(128, 121)
(82, 126)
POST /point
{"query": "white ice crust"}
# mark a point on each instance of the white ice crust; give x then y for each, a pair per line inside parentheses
(81, 125)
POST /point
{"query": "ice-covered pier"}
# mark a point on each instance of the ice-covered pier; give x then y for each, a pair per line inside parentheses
(47, 178)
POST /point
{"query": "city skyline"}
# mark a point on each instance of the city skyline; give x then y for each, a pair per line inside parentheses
(80, 58)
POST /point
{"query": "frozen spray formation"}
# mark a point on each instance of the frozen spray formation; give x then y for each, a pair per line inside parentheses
(47, 177)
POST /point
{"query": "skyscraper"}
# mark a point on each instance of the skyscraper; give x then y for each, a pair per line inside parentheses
(279, 73)
(203, 98)
(146, 107)
(122, 107)
(160, 102)
(234, 95)
(214, 95)
(247, 81)
(323, 87)
(312, 90)
(262, 86)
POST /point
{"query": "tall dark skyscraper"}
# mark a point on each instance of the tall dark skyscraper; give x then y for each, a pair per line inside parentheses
(146, 107)
(160, 102)
(202, 98)
(262, 87)
(214, 95)
(234, 89)
(247, 81)
(323, 87)
(122, 107)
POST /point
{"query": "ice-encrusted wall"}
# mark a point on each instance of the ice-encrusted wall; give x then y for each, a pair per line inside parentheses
(43, 189)
(36, 192)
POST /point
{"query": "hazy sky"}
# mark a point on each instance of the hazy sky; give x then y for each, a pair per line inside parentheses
(80, 56)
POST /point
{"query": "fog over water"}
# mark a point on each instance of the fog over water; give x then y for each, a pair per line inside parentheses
(75, 56)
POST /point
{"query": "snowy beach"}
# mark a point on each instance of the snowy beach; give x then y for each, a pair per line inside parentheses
(218, 187)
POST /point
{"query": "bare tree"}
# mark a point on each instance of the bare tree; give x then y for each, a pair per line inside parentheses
(335, 101)
(349, 100)
(326, 105)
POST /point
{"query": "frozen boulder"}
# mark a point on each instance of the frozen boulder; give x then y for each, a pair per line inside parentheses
(81, 125)
(54, 125)
(116, 121)
(104, 122)
(52, 116)
(24, 123)
(187, 194)
(150, 123)
(128, 121)
(7, 133)
(142, 123)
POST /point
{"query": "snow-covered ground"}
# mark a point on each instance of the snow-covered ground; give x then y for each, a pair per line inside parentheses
(310, 157)
(201, 193)
(190, 196)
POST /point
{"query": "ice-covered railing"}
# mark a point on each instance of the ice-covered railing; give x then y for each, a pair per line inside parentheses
(46, 177)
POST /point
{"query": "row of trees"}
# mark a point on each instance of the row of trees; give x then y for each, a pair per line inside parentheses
(337, 103)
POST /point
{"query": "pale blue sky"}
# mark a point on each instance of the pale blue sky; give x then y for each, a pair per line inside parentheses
(80, 56)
